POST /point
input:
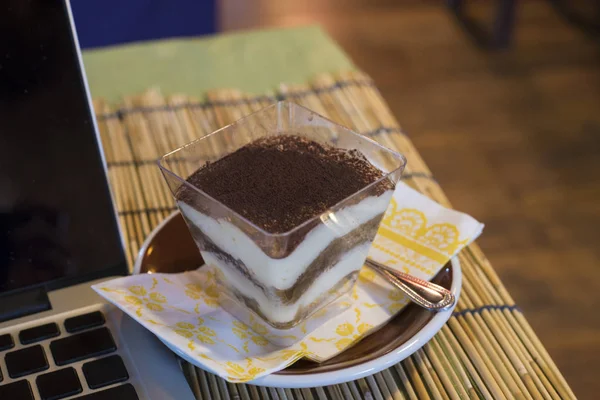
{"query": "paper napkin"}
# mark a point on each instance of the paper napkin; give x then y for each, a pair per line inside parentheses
(416, 236)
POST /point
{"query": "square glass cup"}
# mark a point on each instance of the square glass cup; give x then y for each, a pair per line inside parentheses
(283, 278)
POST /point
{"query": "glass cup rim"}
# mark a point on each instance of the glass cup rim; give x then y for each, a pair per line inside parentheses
(401, 159)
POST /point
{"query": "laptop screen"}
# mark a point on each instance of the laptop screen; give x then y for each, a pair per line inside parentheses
(57, 222)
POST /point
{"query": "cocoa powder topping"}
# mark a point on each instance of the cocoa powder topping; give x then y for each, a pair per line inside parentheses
(281, 181)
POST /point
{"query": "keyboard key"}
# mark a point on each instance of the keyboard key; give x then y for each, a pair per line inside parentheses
(38, 333)
(123, 392)
(58, 384)
(6, 342)
(85, 321)
(16, 390)
(105, 371)
(82, 345)
(26, 361)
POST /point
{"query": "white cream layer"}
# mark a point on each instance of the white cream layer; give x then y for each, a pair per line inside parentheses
(284, 272)
(273, 309)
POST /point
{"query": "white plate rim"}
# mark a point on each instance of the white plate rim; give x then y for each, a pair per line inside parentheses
(338, 376)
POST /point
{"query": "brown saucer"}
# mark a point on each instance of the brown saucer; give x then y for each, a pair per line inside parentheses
(171, 249)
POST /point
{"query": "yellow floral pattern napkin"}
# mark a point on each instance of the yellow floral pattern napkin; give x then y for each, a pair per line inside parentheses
(417, 236)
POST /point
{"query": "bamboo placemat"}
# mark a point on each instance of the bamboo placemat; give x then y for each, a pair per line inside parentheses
(486, 350)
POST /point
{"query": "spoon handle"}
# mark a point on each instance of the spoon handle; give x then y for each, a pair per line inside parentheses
(426, 294)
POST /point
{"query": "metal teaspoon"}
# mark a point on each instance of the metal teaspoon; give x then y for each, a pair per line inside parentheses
(426, 294)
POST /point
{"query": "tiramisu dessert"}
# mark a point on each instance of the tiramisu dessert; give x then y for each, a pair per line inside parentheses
(288, 222)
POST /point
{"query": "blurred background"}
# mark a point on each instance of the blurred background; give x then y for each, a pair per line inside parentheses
(502, 99)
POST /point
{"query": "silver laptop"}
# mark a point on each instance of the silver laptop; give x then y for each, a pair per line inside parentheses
(59, 232)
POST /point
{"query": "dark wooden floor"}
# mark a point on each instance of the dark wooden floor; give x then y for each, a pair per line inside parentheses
(513, 138)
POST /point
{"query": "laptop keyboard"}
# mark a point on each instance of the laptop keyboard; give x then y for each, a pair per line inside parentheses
(79, 356)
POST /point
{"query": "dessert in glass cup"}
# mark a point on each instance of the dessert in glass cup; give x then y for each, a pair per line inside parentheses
(285, 204)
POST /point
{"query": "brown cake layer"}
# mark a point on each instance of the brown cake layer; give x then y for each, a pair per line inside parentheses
(324, 261)
(280, 182)
(342, 286)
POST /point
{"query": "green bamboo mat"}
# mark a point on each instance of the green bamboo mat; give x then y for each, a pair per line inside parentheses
(486, 350)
